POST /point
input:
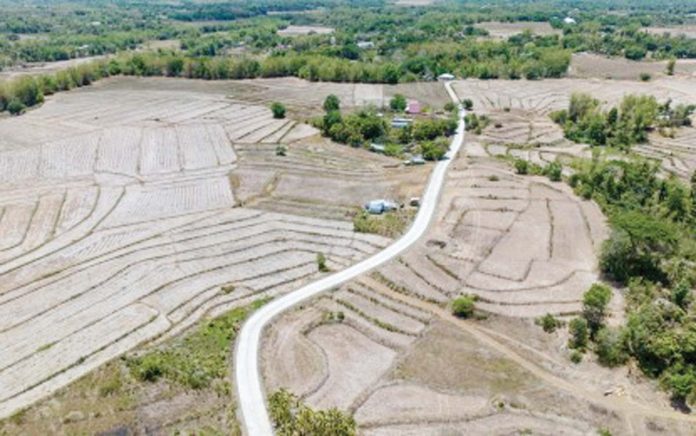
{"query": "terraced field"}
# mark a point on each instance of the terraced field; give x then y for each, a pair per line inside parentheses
(522, 127)
(127, 215)
(386, 348)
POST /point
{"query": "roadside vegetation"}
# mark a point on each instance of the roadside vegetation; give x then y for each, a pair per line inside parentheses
(292, 417)
(189, 373)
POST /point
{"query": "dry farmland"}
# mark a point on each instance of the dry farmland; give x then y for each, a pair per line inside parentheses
(522, 128)
(400, 362)
(590, 65)
(125, 207)
(305, 30)
(501, 30)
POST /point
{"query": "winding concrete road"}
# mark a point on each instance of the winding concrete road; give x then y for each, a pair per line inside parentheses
(247, 375)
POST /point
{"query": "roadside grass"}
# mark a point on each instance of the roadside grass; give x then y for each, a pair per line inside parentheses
(391, 224)
(181, 387)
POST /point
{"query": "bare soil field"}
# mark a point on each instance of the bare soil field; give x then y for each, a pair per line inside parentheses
(589, 65)
(502, 30)
(402, 364)
(43, 67)
(521, 126)
(304, 99)
(688, 30)
(305, 30)
(127, 206)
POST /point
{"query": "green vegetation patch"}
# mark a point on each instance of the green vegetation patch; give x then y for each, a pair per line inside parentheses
(197, 359)
(391, 224)
(292, 417)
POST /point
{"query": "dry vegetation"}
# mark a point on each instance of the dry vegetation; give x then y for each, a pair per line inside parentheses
(589, 65)
(501, 30)
(133, 208)
(521, 126)
(386, 348)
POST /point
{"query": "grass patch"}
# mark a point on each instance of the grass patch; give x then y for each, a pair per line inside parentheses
(391, 224)
(198, 359)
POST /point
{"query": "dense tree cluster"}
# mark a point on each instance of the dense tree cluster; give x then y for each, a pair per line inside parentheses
(584, 121)
(292, 417)
(652, 249)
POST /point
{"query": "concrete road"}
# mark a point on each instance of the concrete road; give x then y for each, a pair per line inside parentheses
(247, 375)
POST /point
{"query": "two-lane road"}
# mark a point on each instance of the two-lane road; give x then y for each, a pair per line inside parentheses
(247, 374)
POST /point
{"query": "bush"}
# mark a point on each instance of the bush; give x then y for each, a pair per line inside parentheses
(578, 334)
(594, 306)
(553, 171)
(611, 347)
(281, 150)
(321, 263)
(16, 107)
(278, 110)
(670, 67)
(521, 166)
(398, 103)
(468, 104)
(434, 150)
(576, 356)
(332, 103)
(464, 306)
(292, 417)
(548, 323)
(645, 77)
(450, 107)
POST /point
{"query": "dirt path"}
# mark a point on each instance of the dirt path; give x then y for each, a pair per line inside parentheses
(621, 405)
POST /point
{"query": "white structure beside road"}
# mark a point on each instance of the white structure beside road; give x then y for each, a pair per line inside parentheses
(250, 391)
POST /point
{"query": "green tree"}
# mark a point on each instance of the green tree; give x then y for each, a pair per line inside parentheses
(278, 110)
(332, 103)
(398, 103)
(670, 66)
(611, 346)
(463, 306)
(594, 306)
(521, 166)
(579, 335)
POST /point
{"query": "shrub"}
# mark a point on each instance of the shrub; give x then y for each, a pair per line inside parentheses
(576, 356)
(548, 323)
(553, 171)
(292, 417)
(398, 103)
(463, 307)
(645, 77)
(521, 166)
(594, 306)
(278, 110)
(468, 104)
(321, 263)
(16, 107)
(450, 106)
(332, 103)
(670, 67)
(578, 334)
(281, 150)
(611, 346)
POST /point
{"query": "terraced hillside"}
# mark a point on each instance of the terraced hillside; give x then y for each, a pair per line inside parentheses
(522, 127)
(121, 220)
(386, 348)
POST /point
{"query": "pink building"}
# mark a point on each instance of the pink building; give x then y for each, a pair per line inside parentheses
(413, 107)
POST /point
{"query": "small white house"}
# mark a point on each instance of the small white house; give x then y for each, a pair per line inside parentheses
(446, 77)
(569, 20)
(364, 45)
(377, 207)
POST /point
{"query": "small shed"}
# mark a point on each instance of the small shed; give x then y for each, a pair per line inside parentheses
(364, 45)
(377, 148)
(377, 207)
(445, 77)
(569, 20)
(400, 123)
(413, 107)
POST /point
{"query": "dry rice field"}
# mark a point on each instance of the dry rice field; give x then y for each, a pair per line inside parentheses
(125, 208)
(522, 128)
(403, 365)
(502, 30)
(590, 65)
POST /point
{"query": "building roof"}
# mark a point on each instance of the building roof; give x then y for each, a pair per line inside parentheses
(413, 107)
